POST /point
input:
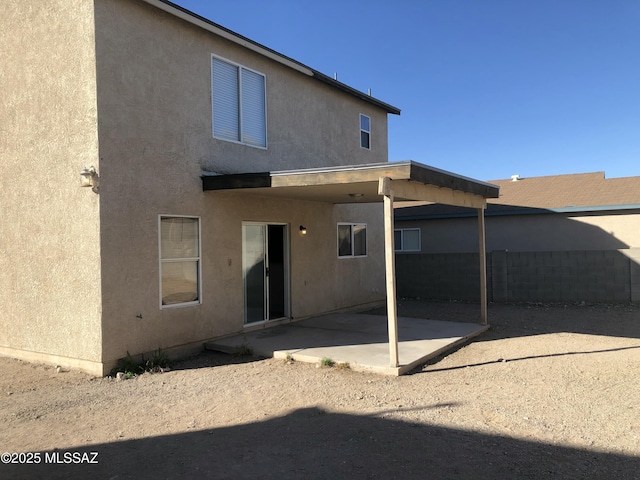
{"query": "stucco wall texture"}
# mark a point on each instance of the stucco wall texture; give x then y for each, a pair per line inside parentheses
(126, 87)
(49, 245)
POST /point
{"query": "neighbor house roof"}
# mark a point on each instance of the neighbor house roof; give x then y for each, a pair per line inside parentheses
(234, 37)
(574, 190)
(579, 192)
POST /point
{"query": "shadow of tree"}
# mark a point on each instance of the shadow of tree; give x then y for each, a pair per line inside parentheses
(311, 443)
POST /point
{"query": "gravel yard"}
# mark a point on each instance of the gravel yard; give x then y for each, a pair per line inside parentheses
(550, 391)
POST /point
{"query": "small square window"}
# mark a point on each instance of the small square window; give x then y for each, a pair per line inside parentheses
(407, 240)
(365, 132)
(352, 240)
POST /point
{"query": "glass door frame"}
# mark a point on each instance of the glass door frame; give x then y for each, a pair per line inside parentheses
(287, 273)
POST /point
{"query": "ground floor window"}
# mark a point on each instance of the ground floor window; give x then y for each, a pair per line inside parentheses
(352, 240)
(179, 239)
(406, 240)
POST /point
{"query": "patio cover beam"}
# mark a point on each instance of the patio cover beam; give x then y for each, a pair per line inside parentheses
(391, 189)
(384, 188)
(410, 190)
(483, 267)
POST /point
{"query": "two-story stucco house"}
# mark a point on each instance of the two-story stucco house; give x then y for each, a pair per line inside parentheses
(173, 122)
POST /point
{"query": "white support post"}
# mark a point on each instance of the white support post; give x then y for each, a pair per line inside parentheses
(384, 188)
(483, 267)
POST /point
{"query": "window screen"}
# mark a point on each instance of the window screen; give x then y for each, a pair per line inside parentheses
(239, 104)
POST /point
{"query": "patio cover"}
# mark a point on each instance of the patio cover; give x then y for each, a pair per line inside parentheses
(372, 183)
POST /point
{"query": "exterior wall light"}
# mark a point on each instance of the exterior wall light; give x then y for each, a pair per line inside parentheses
(89, 177)
(303, 230)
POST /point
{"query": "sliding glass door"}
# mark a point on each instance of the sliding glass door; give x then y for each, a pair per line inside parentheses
(265, 269)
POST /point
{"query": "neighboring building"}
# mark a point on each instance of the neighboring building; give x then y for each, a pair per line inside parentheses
(176, 114)
(557, 238)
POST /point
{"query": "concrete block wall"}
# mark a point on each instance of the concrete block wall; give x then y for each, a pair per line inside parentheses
(634, 272)
(599, 276)
(594, 276)
(439, 276)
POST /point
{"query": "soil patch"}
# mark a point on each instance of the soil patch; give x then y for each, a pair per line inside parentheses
(550, 391)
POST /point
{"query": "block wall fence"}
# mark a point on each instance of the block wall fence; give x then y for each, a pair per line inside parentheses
(600, 276)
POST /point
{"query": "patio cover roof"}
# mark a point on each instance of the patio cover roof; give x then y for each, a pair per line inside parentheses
(369, 183)
(359, 184)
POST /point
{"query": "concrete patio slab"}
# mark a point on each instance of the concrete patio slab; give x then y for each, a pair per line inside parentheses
(359, 339)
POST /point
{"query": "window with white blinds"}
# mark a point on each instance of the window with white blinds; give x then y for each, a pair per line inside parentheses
(239, 104)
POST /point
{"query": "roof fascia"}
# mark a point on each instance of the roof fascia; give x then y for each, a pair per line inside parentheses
(524, 211)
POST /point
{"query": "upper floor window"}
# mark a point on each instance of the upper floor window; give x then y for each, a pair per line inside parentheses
(239, 103)
(365, 132)
(406, 240)
(179, 261)
(352, 240)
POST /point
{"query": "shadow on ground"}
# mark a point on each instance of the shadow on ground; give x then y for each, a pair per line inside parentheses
(209, 358)
(506, 321)
(313, 444)
(516, 320)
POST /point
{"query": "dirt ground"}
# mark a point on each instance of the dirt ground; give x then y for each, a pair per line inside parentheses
(550, 391)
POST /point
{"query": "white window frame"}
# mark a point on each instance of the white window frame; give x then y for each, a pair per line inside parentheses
(366, 244)
(400, 248)
(197, 259)
(362, 130)
(240, 140)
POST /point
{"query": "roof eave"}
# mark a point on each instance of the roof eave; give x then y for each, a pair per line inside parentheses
(361, 95)
(519, 211)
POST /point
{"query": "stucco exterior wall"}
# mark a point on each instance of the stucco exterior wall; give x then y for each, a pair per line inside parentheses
(529, 233)
(154, 99)
(155, 84)
(49, 226)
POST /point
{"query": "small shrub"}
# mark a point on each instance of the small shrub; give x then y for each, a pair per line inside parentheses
(128, 366)
(159, 362)
(244, 350)
(326, 362)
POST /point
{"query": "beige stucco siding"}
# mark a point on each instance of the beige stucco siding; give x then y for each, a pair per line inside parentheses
(532, 233)
(49, 226)
(319, 280)
(155, 84)
(154, 98)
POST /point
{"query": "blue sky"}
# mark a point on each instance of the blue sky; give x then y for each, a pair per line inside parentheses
(487, 88)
